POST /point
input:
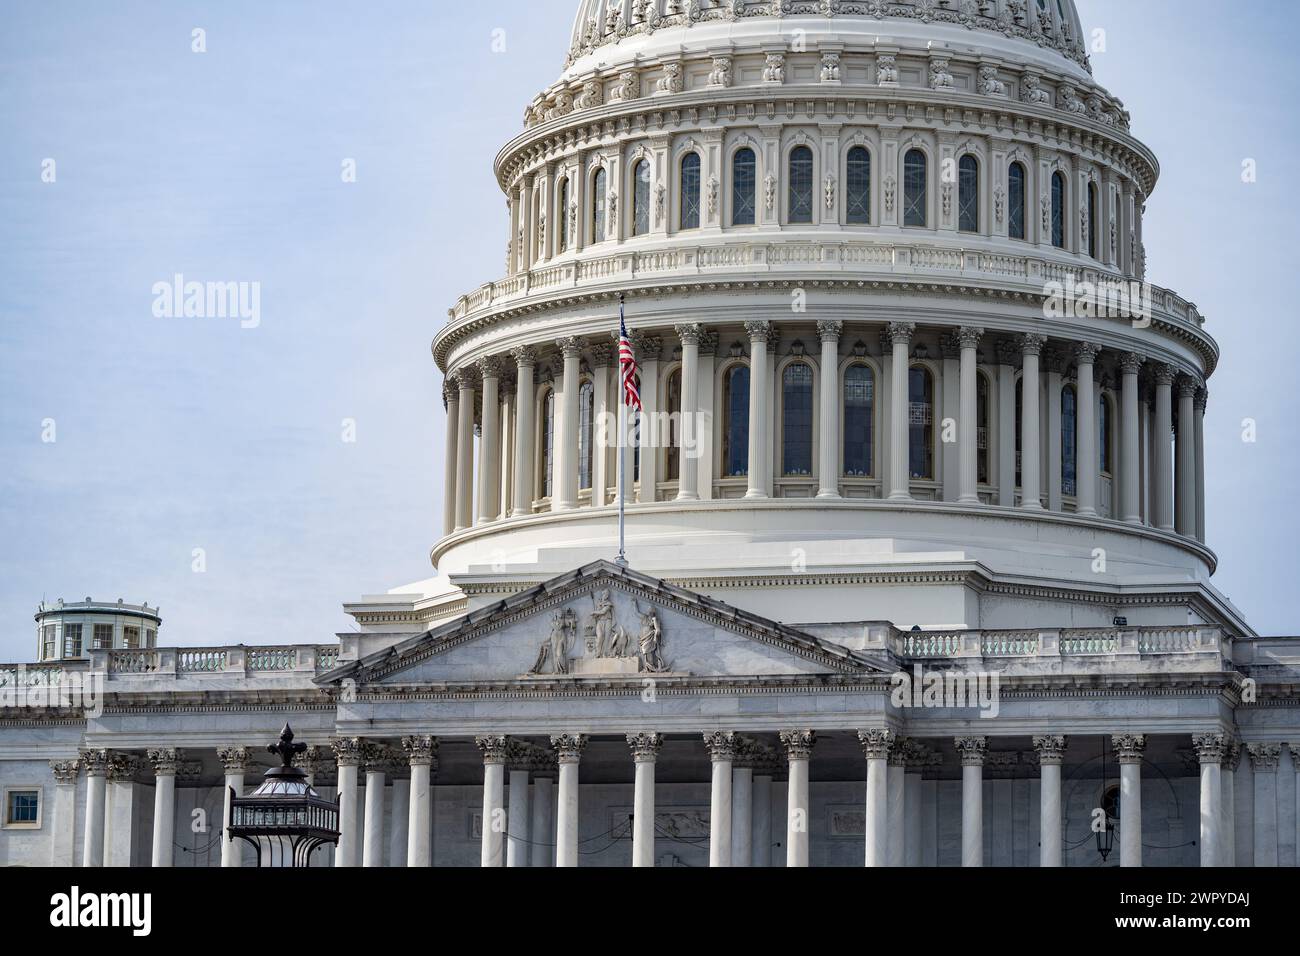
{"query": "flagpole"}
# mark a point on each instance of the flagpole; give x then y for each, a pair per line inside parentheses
(622, 448)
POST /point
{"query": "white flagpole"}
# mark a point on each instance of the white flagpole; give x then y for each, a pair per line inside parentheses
(622, 444)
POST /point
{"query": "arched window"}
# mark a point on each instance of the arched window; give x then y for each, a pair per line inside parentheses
(744, 183)
(735, 433)
(548, 444)
(641, 198)
(859, 410)
(921, 423)
(563, 213)
(915, 185)
(690, 190)
(968, 194)
(797, 420)
(1092, 220)
(1069, 442)
(801, 185)
(586, 433)
(1106, 431)
(1016, 201)
(858, 186)
(598, 206)
(1058, 210)
(984, 474)
(673, 406)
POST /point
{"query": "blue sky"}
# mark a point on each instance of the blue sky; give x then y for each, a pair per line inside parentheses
(176, 434)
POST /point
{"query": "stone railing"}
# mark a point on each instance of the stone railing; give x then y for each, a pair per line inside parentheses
(31, 675)
(1073, 642)
(200, 662)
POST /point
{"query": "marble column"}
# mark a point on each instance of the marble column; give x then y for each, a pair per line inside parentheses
(450, 469)
(759, 486)
(899, 335)
(567, 424)
(688, 471)
(798, 746)
(645, 751)
(120, 810)
(1130, 748)
(968, 416)
(517, 817)
(1228, 803)
(722, 750)
(1051, 754)
(400, 815)
(495, 823)
(742, 804)
(542, 852)
(165, 764)
(1054, 363)
(1202, 397)
(1264, 758)
(525, 406)
(1007, 357)
(1031, 460)
(830, 432)
(876, 745)
(602, 365)
(63, 830)
(96, 763)
(348, 752)
(422, 754)
(913, 783)
(489, 471)
(762, 801)
(1209, 750)
(972, 751)
(465, 449)
(1163, 466)
(1130, 458)
(235, 761)
(896, 835)
(377, 759)
(1086, 460)
(568, 748)
(1185, 522)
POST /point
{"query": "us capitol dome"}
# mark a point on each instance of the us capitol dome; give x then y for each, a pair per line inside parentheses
(916, 566)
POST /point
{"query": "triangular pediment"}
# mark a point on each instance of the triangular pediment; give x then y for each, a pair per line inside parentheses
(603, 622)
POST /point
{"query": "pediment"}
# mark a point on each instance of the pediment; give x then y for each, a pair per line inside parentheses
(602, 622)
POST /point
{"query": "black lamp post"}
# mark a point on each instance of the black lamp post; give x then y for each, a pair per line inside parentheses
(284, 819)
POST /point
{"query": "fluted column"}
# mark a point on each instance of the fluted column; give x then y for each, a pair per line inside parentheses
(876, 745)
(896, 784)
(422, 755)
(759, 485)
(798, 747)
(1209, 750)
(400, 814)
(1163, 466)
(1186, 520)
(830, 433)
(1031, 461)
(235, 761)
(742, 804)
(972, 751)
(166, 762)
(450, 469)
(1131, 453)
(493, 748)
(1264, 759)
(1007, 356)
(64, 823)
(900, 463)
(645, 751)
(1051, 754)
(525, 404)
(968, 416)
(1086, 459)
(348, 751)
(566, 432)
(722, 750)
(517, 817)
(688, 472)
(568, 748)
(465, 450)
(377, 758)
(489, 472)
(1228, 801)
(543, 825)
(1130, 748)
(1202, 397)
(97, 763)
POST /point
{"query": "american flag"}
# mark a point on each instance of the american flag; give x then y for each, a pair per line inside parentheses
(629, 373)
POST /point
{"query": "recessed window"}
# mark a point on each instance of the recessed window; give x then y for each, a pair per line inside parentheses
(1058, 210)
(797, 420)
(735, 436)
(801, 185)
(859, 406)
(563, 213)
(915, 188)
(23, 808)
(598, 206)
(1069, 446)
(921, 424)
(690, 203)
(1092, 220)
(968, 194)
(1016, 201)
(586, 433)
(548, 444)
(71, 640)
(673, 406)
(103, 636)
(47, 642)
(858, 186)
(982, 413)
(744, 182)
(641, 198)
(131, 637)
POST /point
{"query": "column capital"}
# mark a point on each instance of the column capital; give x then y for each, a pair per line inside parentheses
(1188, 386)
(1051, 749)
(758, 331)
(1129, 747)
(569, 747)
(1264, 757)
(972, 750)
(65, 771)
(1231, 754)
(570, 346)
(1202, 399)
(602, 355)
(122, 768)
(830, 331)
(379, 758)
(1007, 352)
(1209, 747)
(721, 745)
(1032, 344)
(898, 753)
(489, 367)
(876, 744)
(465, 378)
(235, 759)
(900, 333)
(689, 332)
(968, 336)
(1164, 375)
(798, 743)
(645, 746)
(316, 759)
(494, 747)
(421, 751)
(1085, 353)
(347, 751)
(166, 761)
(96, 762)
(525, 356)
(1055, 360)
(1130, 363)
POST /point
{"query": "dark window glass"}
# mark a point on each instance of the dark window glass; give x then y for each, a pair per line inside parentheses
(801, 185)
(968, 194)
(744, 182)
(858, 176)
(1016, 201)
(24, 807)
(796, 420)
(1092, 220)
(1103, 444)
(673, 403)
(921, 424)
(983, 474)
(1069, 442)
(598, 206)
(641, 199)
(548, 443)
(1020, 430)
(586, 432)
(859, 406)
(691, 191)
(71, 640)
(563, 213)
(735, 437)
(915, 184)
(1058, 210)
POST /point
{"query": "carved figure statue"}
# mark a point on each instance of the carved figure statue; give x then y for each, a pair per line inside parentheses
(651, 640)
(603, 618)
